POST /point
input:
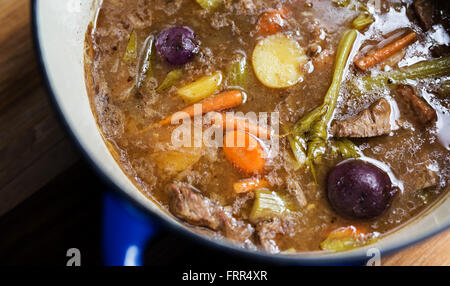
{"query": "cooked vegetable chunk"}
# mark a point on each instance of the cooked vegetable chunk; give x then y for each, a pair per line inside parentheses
(346, 148)
(175, 161)
(363, 20)
(247, 185)
(170, 80)
(209, 4)
(267, 205)
(177, 45)
(244, 151)
(425, 112)
(425, 69)
(238, 72)
(345, 238)
(278, 61)
(272, 22)
(201, 88)
(357, 189)
(378, 56)
(131, 51)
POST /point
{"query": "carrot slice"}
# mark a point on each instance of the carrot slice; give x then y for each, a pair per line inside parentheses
(224, 100)
(272, 22)
(389, 50)
(247, 185)
(244, 151)
(345, 238)
(231, 122)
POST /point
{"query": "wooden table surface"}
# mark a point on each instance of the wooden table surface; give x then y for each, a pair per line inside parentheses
(34, 149)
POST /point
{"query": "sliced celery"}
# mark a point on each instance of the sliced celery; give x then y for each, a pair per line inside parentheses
(201, 88)
(131, 51)
(298, 146)
(340, 244)
(347, 238)
(170, 80)
(238, 72)
(346, 149)
(426, 69)
(313, 127)
(362, 21)
(445, 87)
(209, 4)
(174, 161)
(267, 205)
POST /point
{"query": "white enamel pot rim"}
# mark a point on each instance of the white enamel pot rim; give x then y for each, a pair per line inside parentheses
(59, 28)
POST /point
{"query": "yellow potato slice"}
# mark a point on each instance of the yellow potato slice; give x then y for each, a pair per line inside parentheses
(278, 61)
(174, 161)
(202, 88)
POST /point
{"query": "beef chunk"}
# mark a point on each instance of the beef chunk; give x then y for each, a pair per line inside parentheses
(267, 231)
(432, 12)
(424, 13)
(424, 112)
(190, 205)
(440, 51)
(374, 121)
(426, 178)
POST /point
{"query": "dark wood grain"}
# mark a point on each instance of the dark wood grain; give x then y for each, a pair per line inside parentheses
(33, 146)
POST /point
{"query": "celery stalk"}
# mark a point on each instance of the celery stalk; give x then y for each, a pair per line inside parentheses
(131, 51)
(267, 205)
(238, 72)
(319, 132)
(345, 148)
(209, 4)
(170, 80)
(426, 69)
(362, 21)
(313, 127)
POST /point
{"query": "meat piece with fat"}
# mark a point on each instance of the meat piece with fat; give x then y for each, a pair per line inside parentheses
(424, 12)
(267, 232)
(424, 112)
(374, 121)
(190, 205)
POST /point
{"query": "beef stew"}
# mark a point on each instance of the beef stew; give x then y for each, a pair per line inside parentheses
(355, 95)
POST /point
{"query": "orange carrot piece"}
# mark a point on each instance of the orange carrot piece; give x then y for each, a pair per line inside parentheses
(247, 185)
(244, 152)
(224, 100)
(272, 22)
(347, 231)
(384, 53)
(232, 122)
